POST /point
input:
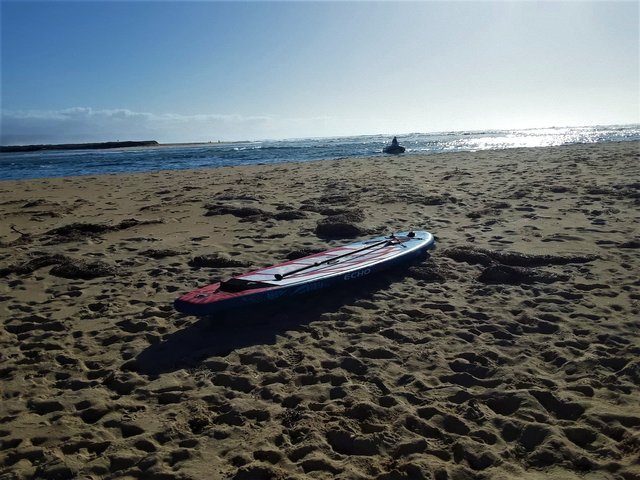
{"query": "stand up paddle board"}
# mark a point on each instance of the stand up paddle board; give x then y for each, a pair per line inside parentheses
(303, 275)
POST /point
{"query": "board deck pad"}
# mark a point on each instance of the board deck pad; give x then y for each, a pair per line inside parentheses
(306, 274)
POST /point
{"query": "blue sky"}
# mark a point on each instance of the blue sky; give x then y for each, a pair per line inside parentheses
(200, 71)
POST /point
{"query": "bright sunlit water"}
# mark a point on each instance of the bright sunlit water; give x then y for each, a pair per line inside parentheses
(93, 162)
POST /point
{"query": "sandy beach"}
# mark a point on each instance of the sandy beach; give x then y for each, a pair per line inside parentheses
(512, 352)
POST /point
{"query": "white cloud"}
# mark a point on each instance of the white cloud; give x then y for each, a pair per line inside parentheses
(84, 124)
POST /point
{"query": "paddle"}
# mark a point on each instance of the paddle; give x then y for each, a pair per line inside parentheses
(333, 259)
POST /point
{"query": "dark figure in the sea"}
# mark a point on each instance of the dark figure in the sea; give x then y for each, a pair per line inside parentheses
(394, 148)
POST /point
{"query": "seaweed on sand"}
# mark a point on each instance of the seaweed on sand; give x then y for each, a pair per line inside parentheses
(63, 267)
(80, 231)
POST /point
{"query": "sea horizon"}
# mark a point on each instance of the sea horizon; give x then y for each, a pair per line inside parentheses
(325, 137)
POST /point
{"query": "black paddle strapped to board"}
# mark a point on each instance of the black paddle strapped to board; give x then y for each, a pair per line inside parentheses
(388, 241)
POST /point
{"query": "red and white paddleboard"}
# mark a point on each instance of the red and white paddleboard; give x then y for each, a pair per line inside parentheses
(303, 275)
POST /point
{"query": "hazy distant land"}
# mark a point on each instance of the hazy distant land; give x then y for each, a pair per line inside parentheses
(76, 146)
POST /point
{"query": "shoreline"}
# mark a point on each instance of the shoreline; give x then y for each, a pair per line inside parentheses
(381, 156)
(189, 156)
(512, 352)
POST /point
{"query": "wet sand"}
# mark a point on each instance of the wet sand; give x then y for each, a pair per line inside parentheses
(513, 352)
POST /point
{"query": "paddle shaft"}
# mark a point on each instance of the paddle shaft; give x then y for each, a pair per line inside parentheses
(329, 260)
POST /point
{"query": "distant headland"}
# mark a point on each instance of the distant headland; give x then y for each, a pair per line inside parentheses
(76, 146)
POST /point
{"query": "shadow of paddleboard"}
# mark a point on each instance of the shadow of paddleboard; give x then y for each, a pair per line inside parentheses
(256, 325)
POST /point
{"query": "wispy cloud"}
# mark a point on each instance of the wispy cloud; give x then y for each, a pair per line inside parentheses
(84, 124)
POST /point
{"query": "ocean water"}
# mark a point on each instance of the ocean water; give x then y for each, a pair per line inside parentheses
(25, 165)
